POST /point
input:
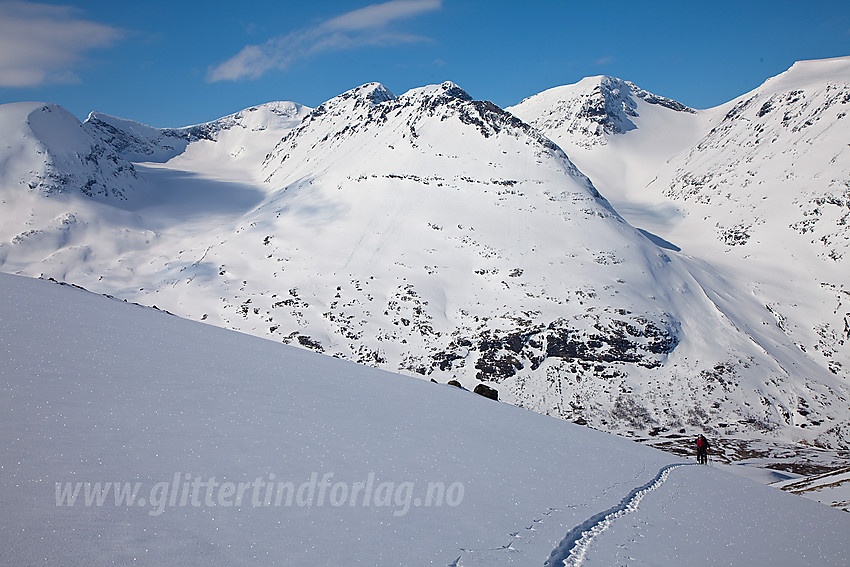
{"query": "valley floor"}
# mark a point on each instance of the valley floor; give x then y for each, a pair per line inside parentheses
(818, 474)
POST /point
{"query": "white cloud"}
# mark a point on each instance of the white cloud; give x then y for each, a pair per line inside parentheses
(42, 43)
(380, 15)
(605, 60)
(364, 26)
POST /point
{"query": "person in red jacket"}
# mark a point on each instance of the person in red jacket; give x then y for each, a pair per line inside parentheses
(702, 450)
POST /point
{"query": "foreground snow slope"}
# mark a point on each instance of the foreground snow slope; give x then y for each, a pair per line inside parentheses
(97, 390)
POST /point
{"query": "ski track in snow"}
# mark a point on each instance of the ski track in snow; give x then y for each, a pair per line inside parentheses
(572, 550)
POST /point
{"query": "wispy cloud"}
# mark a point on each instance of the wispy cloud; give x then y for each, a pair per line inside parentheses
(370, 25)
(604, 60)
(43, 43)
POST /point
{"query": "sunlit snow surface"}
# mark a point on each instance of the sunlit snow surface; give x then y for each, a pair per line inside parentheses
(97, 390)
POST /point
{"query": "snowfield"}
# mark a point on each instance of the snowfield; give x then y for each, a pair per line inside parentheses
(96, 390)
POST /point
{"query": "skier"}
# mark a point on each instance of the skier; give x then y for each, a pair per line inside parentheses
(702, 450)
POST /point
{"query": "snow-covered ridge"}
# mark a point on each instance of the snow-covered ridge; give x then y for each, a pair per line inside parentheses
(47, 150)
(138, 142)
(445, 90)
(805, 73)
(372, 106)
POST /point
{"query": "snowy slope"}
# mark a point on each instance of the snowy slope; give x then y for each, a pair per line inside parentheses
(767, 191)
(59, 187)
(96, 390)
(757, 186)
(440, 236)
(209, 172)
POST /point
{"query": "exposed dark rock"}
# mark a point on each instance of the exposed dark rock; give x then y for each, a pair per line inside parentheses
(306, 341)
(487, 392)
(496, 366)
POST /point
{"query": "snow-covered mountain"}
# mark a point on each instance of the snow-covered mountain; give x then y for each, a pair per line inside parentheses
(131, 436)
(619, 135)
(769, 188)
(758, 187)
(444, 237)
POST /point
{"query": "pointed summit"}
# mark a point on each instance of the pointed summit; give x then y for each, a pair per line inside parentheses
(354, 100)
(376, 93)
(445, 91)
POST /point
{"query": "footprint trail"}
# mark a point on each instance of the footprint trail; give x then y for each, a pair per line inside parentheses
(572, 550)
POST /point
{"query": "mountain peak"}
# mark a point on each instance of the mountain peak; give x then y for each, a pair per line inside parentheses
(591, 109)
(375, 93)
(443, 107)
(446, 90)
(352, 101)
(368, 94)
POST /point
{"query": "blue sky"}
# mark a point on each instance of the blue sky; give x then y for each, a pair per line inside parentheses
(173, 63)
